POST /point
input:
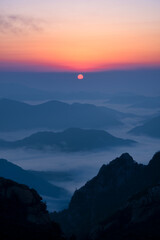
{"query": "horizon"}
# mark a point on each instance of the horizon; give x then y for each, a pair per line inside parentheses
(79, 36)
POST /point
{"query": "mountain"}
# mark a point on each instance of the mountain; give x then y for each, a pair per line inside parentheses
(135, 101)
(139, 81)
(103, 195)
(23, 215)
(139, 219)
(151, 128)
(22, 92)
(127, 98)
(55, 115)
(72, 140)
(148, 103)
(16, 173)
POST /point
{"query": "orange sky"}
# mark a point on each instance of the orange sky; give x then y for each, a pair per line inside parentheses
(82, 37)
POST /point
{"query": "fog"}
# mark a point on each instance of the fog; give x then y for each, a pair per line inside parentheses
(81, 166)
(73, 170)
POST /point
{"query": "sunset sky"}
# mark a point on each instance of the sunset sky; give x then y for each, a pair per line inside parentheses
(86, 35)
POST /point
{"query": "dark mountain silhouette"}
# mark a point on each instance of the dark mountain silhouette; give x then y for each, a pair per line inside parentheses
(139, 219)
(55, 115)
(16, 173)
(23, 215)
(151, 128)
(102, 196)
(73, 139)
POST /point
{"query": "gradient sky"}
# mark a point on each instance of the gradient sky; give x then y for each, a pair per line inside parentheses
(81, 35)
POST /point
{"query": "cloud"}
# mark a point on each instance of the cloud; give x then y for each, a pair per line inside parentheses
(19, 24)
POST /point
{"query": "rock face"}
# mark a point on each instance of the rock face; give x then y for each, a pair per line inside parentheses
(101, 197)
(140, 219)
(23, 215)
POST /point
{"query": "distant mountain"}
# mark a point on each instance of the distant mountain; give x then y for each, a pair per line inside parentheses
(151, 128)
(135, 101)
(56, 115)
(141, 81)
(23, 215)
(139, 219)
(148, 103)
(128, 98)
(16, 173)
(22, 92)
(72, 140)
(103, 195)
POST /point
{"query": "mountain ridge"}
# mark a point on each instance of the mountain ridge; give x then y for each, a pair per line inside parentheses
(104, 194)
(69, 140)
(56, 115)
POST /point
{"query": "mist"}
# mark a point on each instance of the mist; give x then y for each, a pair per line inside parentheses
(117, 90)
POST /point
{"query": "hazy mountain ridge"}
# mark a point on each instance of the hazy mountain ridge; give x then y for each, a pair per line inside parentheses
(106, 193)
(70, 140)
(150, 128)
(135, 101)
(56, 115)
(18, 174)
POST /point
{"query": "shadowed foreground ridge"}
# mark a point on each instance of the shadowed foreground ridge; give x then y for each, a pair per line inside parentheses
(121, 203)
(23, 215)
(109, 191)
(139, 219)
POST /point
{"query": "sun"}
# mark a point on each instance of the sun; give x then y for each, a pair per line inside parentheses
(80, 76)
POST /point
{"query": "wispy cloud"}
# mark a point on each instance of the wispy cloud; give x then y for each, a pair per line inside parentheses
(19, 24)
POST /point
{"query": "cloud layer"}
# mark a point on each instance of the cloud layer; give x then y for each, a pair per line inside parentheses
(19, 24)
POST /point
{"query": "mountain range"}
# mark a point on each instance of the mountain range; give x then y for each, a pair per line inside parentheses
(149, 128)
(135, 101)
(18, 174)
(122, 202)
(105, 194)
(56, 115)
(71, 140)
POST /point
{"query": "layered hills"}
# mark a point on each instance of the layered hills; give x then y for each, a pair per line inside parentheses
(18, 174)
(56, 115)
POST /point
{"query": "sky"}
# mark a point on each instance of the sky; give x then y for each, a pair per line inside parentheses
(86, 35)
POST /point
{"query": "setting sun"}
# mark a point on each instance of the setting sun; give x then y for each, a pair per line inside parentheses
(80, 76)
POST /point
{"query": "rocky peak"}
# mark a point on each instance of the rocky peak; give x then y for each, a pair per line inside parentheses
(124, 160)
(22, 197)
(23, 215)
(102, 195)
(155, 161)
(124, 163)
